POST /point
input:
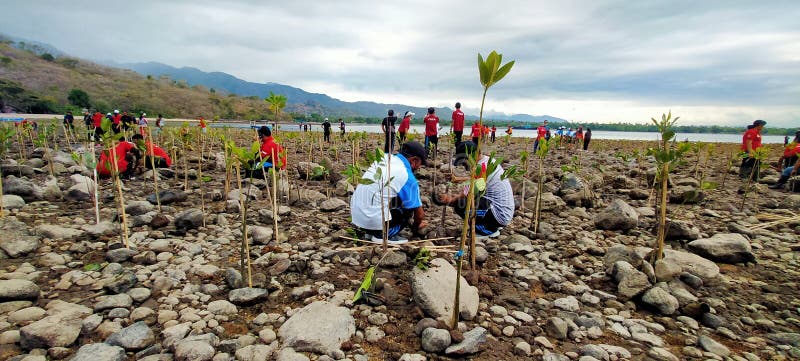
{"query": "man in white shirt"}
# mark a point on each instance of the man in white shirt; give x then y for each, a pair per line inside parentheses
(400, 199)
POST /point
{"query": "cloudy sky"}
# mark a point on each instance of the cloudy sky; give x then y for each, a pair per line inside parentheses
(711, 62)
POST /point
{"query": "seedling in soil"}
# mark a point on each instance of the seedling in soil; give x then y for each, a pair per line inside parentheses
(423, 259)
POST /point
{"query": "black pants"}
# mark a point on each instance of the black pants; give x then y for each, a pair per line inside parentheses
(116, 128)
(388, 139)
(400, 219)
(98, 134)
(485, 222)
(493, 137)
(326, 136)
(157, 161)
(750, 166)
(475, 139)
(586, 143)
(458, 134)
(402, 137)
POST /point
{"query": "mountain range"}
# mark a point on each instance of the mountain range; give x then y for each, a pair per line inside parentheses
(296, 96)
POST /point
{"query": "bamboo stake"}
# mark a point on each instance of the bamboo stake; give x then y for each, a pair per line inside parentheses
(153, 169)
(118, 184)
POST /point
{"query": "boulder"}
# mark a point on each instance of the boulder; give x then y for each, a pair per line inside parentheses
(474, 341)
(435, 340)
(694, 264)
(168, 196)
(791, 201)
(306, 169)
(22, 187)
(134, 337)
(630, 281)
(193, 351)
(16, 289)
(51, 331)
(12, 201)
(433, 291)
(681, 230)
(660, 299)
(619, 252)
(686, 194)
(711, 345)
(320, 327)
(576, 191)
(99, 352)
(135, 208)
(10, 170)
(189, 219)
(249, 192)
(724, 247)
(332, 205)
(618, 216)
(57, 233)
(17, 240)
(244, 296)
(259, 234)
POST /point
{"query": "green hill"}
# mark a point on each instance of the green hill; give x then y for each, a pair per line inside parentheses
(32, 83)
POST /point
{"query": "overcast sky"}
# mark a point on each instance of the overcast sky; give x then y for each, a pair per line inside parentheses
(711, 62)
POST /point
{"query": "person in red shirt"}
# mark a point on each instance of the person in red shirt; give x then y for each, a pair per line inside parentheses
(202, 125)
(431, 129)
(751, 141)
(126, 155)
(160, 158)
(541, 133)
(97, 122)
(476, 132)
(405, 124)
(457, 125)
(115, 122)
(270, 150)
(494, 131)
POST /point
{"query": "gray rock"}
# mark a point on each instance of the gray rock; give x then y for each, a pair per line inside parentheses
(49, 332)
(556, 328)
(319, 327)
(193, 351)
(189, 219)
(252, 193)
(569, 303)
(435, 340)
(17, 240)
(254, 353)
(412, 357)
(99, 352)
(666, 271)
(680, 230)
(120, 255)
(791, 201)
(57, 233)
(594, 351)
(121, 283)
(12, 201)
(135, 208)
(10, 170)
(661, 300)
(620, 252)
(618, 216)
(247, 295)
(168, 196)
(222, 307)
(724, 247)
(114, 301)
(694, 264)
(134, 337)
(233, 278)
(474, 341)
(259, 234)
(14, 290)
(332, 205)
(686, 195)
(661, 354)
(433, 291)
(522, 348)
(289, 354)
(711, 345)
(21, 187)
(631, 282)
(785, 338)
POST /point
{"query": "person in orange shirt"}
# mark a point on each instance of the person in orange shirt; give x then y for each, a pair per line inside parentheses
(751, 141)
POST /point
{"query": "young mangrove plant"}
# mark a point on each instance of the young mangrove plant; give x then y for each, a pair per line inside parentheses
(491, 70)
(667, 156)
(541, 154)
(760, 155)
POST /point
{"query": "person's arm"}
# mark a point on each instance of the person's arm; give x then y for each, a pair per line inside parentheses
(794, 169)
(419, 219)
(383, 125)
(748, 145)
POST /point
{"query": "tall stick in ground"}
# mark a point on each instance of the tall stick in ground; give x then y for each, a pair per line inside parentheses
(120, 194)
(491, 72)
(153, 167)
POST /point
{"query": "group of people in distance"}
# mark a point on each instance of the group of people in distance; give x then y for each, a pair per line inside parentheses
(788, 163)
(326, 129)
(119, 122)
(565, 136)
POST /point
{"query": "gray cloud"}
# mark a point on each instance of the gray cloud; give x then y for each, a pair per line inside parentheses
(740, 58)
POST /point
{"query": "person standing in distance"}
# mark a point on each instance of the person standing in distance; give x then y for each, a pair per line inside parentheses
(541, 133)
(457, 124)
(387, 125)
(326, 130)
(405, 124)
(751, 141)
(431, 129)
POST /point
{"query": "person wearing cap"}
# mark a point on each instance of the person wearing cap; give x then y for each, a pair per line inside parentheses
(541, 133)
(431, 129)
(396, 195)
(387, 125)
(143, 124)
(270, 150)
(751, 141)
(788, 160)
(405, 124)
(341, 126)
(495, 203)
(457, 124)
(326, 130)
(69, 119)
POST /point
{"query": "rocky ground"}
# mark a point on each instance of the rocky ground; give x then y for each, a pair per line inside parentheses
(581, 288)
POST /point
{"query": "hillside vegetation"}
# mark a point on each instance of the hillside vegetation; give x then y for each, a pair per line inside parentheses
(41, 84)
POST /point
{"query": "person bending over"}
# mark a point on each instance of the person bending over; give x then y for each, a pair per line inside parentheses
(126, 156)
(395, 195)
(154, 155)
(495, 204)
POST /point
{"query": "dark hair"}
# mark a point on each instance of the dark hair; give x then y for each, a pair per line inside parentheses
(391, 112)
(759, 122)
(751, 126)
(458, 105)
(431, 110)
(137, 137)
(264, 131)
(159, 115)
(797, 136)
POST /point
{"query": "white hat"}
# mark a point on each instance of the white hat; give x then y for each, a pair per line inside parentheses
(108, 113)
(144, 114)
(326, 118)
(409, 114)
(116, 111)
